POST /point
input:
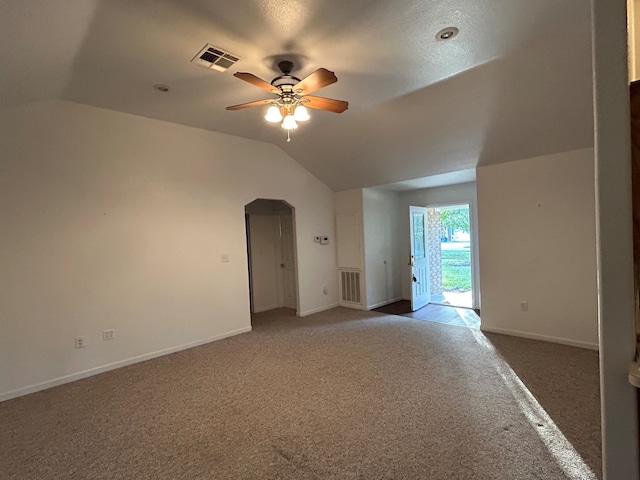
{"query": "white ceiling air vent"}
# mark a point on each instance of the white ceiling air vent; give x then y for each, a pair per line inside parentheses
(214, 57)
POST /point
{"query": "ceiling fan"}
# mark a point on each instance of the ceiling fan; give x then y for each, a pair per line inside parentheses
(292, 96)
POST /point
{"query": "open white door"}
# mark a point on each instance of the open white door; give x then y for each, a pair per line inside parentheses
(420, 288)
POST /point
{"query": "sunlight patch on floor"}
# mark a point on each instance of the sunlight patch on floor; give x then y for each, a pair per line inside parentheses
(560, 448)
(456, 299)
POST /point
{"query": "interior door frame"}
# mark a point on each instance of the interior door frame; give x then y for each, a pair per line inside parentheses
(247, 227)
(275, 214)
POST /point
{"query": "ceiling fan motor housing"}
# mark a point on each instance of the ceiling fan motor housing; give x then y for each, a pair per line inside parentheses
(285, 82)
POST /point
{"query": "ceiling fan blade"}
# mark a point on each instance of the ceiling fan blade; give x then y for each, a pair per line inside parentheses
(318, 79)
(258, 82)
(328, 104)
(257, 103)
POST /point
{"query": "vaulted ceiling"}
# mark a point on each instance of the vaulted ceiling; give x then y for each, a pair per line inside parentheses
(514, 83)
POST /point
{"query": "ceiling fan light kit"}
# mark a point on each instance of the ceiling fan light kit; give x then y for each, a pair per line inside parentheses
(292, 96)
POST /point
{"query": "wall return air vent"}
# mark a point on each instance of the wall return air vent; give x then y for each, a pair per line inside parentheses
(350, 286)
(215, 58)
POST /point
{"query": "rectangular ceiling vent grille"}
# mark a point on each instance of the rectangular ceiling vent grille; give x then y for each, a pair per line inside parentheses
(215, 58)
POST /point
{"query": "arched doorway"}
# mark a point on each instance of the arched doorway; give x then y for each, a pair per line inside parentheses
(271, 252)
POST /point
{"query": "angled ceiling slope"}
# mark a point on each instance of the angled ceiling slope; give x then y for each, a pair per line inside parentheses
(514, 83)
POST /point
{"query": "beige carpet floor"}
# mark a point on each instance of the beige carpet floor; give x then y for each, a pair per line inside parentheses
(339, 395)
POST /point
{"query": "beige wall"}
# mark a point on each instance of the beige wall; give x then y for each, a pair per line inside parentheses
(382, 246)
(115, 221)
(537, 244)
(369, 240)
(614, 241)
(349, 234)
(350, 244)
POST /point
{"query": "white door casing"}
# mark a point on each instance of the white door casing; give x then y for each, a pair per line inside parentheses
(419, 261)
(288, 266)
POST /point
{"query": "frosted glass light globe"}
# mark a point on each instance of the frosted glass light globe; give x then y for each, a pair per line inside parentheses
(301, 114)
(289, 123)
(273, 114)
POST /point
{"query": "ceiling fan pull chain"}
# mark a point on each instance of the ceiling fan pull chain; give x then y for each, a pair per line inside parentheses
(288, 136)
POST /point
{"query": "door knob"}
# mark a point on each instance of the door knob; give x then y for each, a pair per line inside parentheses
(282, 265)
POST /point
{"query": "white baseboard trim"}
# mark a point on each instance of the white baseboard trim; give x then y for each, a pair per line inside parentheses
(381, 304)
(545, 338)
(112, 366)
(265, 309)
(316, 310)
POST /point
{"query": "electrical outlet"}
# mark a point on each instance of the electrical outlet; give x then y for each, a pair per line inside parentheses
(224, 258)
(79, 342)
(524, 306)
(108, 334)
(316, 239)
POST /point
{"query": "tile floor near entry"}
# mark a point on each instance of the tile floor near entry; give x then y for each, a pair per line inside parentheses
(462, 317)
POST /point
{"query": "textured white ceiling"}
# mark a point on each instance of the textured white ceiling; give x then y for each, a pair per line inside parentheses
(515, 83)
(440, 180)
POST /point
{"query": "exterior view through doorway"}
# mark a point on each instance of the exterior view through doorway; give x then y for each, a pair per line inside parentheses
(450, 255)
(441, 266)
